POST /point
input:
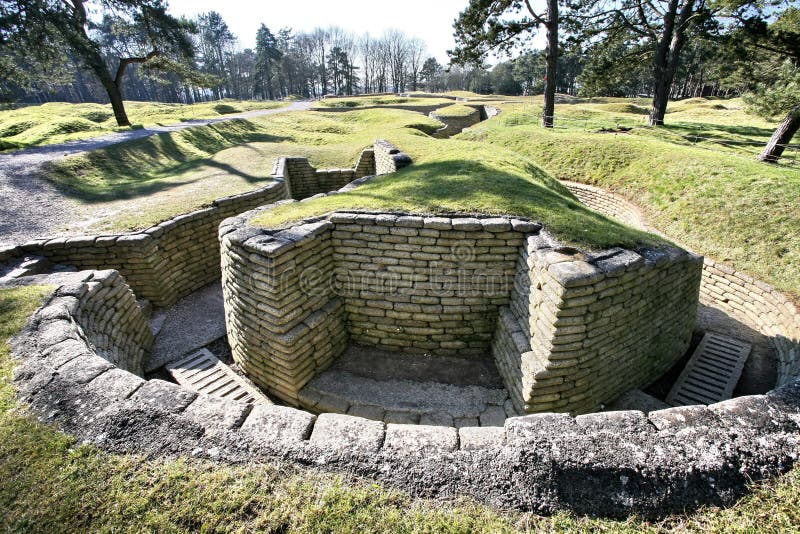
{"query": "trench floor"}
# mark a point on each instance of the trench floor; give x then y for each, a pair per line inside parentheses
(411, 388)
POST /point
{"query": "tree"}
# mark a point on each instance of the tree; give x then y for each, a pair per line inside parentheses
(781, 96)
(616, 66)
(416, 53)
(430, 73)
(503, 81)
(214, 43)
(660, 26)
(267, 57)
(487, 25)
(398, 52)
(40, 25)
(774, 69)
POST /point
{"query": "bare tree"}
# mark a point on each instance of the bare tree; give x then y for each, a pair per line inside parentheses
(320, 39)
(416, 58)
(398, 52)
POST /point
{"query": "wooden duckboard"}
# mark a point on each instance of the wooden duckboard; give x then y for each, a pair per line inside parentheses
(712, 372)
(203, 372)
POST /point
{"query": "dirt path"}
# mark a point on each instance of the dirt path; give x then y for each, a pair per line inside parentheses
(32, 207)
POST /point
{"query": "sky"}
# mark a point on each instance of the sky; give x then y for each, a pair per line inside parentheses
(430, 20)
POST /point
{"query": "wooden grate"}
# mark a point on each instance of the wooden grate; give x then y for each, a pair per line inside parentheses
(203, 372)
(712, 371)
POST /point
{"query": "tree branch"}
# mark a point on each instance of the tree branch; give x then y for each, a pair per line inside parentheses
(125, 61)
(631, 26)
(643, 19)
(536, 17)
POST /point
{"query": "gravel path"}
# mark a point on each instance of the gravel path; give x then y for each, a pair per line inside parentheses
(32, 207)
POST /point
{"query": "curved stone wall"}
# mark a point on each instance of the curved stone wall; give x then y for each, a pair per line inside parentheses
(610, 464)
(750, 301)
(575, 330)
(454, 125)
(95, 314)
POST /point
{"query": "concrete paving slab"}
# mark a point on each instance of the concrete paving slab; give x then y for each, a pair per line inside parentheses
(193, 322)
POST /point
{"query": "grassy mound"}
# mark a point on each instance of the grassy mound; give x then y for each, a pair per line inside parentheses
(456, 111)
(461, 176)
(623, 108)
(718, 202)
(225, 109)
(15, 127)
(56, 122)
(140, 183)
(384, 100)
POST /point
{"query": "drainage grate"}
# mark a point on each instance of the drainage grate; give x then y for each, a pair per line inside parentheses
(712, 371)
(202, 372)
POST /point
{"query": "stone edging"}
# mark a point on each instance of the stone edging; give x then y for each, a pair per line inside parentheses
(611, 463)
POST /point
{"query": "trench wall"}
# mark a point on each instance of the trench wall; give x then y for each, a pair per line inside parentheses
(580, 331)
(424, 284)
(98, 316)
(748, 300)
(454, 125)
(305, 180)
(285, 323)
(608, 463)
(176, 257)
(569, 332)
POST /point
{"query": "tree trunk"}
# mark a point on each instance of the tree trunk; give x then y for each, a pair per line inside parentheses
(781, 137)
(549, 105)
(668, 51)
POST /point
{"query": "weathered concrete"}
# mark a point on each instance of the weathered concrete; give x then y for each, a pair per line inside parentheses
(192, 323)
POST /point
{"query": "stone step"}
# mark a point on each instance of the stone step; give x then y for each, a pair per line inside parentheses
(203, 372)
(636, 399)
(712, 372)
(406, 401)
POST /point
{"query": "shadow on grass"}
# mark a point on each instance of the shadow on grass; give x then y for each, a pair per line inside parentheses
(751, 134)
(147, 166)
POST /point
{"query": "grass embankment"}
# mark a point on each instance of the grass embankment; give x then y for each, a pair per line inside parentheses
(462, 176)
(56, 122)
(148, 180)
(714, 123)
(136, 184)
(718, 202)
(384, 100)
(50, 483)
(457, 111)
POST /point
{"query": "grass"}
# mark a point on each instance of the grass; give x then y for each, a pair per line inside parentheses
(56, 122)
(717, 124)
(717, 201)
(462, 176)
(456, 111)
(48, 483)
(384, 100)
(136, 184)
